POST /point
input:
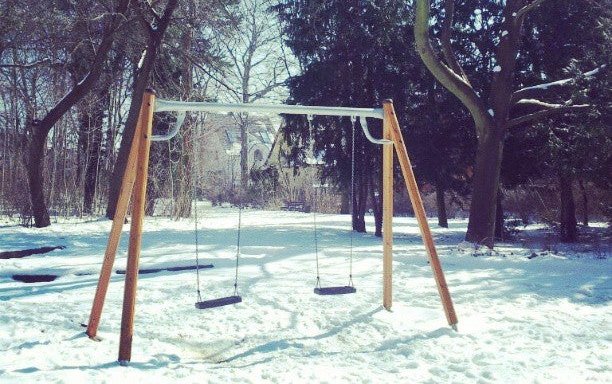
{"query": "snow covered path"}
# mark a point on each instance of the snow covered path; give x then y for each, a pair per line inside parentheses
(544, 320)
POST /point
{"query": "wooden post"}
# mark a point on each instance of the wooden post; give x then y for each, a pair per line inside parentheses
(387, 216)
(143, 129)
(125, 191)
(419, 211)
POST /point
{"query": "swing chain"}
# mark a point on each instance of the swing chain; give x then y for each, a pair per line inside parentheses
(238, 248)
(353, 122)
(314, 211)
(194, 171)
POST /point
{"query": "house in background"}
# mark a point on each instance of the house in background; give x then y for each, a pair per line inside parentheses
(219, 150)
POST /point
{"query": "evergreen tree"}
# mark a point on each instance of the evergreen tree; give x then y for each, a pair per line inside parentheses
(566, 148)
(357, 54)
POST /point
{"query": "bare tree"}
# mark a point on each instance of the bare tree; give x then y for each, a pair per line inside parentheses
(155, 24)
(495, 115)
(258, 64)
(39, 128)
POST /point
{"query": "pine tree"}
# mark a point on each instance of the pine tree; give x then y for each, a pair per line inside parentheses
(357, 54)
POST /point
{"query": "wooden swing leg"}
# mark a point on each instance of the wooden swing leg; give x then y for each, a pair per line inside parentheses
(419, 211)
(143, 129)
(387, 217)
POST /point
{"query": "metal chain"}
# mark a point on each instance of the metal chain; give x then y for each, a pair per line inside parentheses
(314, 209)
(238, 247)
(353, 121)
(194, 199)
(171, 176)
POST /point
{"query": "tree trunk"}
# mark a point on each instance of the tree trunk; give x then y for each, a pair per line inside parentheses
(128, 135)
(244, 152)
(91, 128)
(155, 37)
(376, 206)
(569, 232)
(359, 204)
(499, 218)
(585, 203)
(36, 153)
(481, 226)
(40, 129)
(345, 199)
(442, 217)
(184, 198)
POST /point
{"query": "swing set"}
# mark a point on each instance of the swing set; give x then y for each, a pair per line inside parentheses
(134, 184)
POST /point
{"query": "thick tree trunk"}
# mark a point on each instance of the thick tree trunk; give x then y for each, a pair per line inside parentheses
(569, 231)
(481, 226)
(585, 203)
(36, 153)
(442, 217)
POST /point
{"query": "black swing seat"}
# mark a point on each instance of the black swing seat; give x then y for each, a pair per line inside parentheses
(218, 302)
(342, 290)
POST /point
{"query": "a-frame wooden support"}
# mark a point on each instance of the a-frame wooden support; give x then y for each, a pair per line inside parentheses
(134, 183)
(391, 130)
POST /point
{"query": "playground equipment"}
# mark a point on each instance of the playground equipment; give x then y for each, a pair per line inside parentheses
(135, 181)
(350, 287)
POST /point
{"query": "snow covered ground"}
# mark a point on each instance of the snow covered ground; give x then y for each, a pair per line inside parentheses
(541, 320)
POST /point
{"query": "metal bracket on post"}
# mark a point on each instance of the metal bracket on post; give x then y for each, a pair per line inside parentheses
(364, 126)
(180, 118)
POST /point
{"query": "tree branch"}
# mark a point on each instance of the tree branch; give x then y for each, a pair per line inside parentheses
(540, 89)
(445, 75)
(220, 81)
(528, 8)
(555, 109)
(445, 40)
(25, 65)
(538, 103)
(86, 84)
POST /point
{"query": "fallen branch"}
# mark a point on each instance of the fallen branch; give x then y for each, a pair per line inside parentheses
(28, 252)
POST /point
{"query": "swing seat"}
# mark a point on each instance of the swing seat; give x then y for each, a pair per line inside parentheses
(218, 302)
(342, 290)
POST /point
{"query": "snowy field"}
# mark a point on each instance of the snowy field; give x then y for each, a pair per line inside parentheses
(544, 319)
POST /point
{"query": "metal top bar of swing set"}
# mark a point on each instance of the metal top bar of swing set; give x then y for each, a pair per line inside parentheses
(162, 105)
(182, 107)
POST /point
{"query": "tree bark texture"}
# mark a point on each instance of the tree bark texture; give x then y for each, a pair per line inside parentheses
(481, 227)
(34, 161)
